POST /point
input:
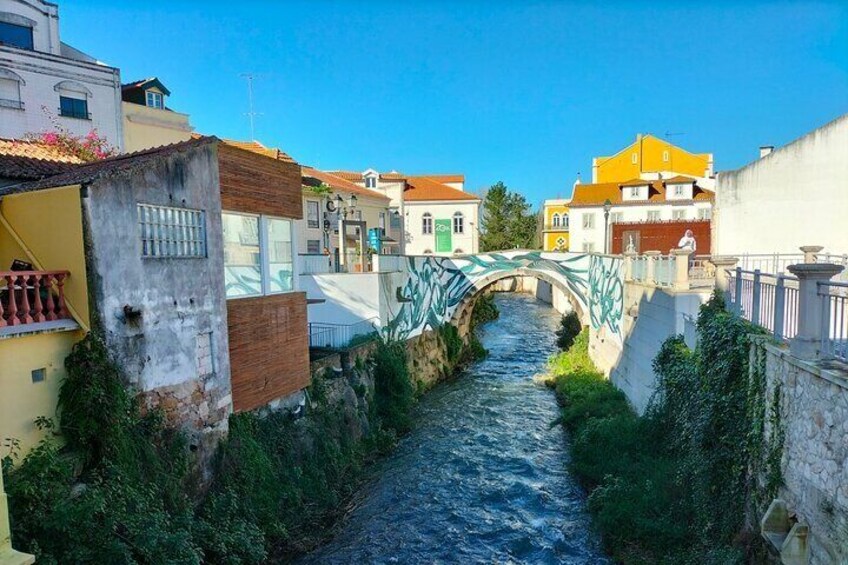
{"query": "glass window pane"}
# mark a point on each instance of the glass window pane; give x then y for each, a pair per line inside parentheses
(280, 253)
(242, 273)
(15, 35)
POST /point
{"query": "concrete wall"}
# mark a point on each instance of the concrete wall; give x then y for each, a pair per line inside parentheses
(176, 351)
(814, 418)
(418, 243)
(651, 315)
(352, 297)
(794, 196)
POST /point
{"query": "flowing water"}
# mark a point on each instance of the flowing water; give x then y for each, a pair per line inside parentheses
(482, 478)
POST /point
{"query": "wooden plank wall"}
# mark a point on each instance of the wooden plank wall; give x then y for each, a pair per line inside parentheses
(257, 184)
(269, 348)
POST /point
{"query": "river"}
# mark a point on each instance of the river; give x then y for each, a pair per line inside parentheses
(483, 476)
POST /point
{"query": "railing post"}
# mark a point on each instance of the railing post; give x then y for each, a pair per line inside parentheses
(810, 252)
(650, 267)
(9, 556)
(722, 266)
(807, 343)
(756, 293)
(628, 265)
(779, 305)
(681, 269)
(737, 303)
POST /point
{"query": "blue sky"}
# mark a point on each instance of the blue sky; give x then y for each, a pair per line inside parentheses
(526, 93)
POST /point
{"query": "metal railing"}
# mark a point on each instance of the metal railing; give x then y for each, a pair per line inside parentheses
(315, 263)
(834, 303)
(340, 336)
(777, 263)
(389, 263)
(768, 300)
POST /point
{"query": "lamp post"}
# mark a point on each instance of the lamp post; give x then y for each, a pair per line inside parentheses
(607, 206)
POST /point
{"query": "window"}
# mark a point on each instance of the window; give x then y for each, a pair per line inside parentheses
(634, 158)
(555, 220)
(258, 255)
(458, 251)
(653, 215)
(679, 190)
(588, 221)
(370, 182)
(38, 375)
(313, 246)
(16, 36)
(678, 214)
(313, 214)
(616, 217)
(427, 224)
(171, 232)
(665, 156)
(381, 221)
(73, 107)
(458, 223)
(394, 220)
(705, 213)
(588, 246)
(634, 192)
(10, 90)
(565, 221)
(155, 99)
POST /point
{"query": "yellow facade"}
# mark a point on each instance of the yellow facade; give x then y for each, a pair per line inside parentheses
(555, 232)
(649, 154)
(146, 127)
(45, 229)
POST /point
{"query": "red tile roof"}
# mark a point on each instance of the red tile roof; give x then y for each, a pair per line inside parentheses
(424, 188)
(30, 160)
(597, 194)
(257, 147)
(36, 150)
(337, 183)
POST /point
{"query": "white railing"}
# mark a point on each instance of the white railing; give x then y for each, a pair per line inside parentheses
(834, 332)
(324, 335)
(768, 300)
(315, 264)
(778, 263)
(640, 268)
(664, 270)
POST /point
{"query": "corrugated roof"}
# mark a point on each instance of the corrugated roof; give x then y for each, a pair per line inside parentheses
(90, 171)
(337, 183)
(597, 194)
(257, 147)
(425, 188)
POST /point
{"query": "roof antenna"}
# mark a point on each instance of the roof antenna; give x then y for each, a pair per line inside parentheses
(673, 133)
(250, 114)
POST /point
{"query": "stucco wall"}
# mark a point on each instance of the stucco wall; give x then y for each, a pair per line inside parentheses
(166, 352)
(353, 297)
(794, 196)
(418, 243)
(152, 127)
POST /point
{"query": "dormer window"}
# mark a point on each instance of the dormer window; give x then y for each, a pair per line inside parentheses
(634, 192)
(16, 35)
(370, 182)
(679, 190)
(155, 99)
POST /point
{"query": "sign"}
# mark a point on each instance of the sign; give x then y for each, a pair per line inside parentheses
(443, 236)
(375, 241)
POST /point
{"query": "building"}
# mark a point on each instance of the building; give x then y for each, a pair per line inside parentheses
(435, 216)
(555, 228)
(653, 158)
(637, 203)
(788, 197)
(45, 82)
(147, 119)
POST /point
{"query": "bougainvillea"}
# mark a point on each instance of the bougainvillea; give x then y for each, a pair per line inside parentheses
(87, 148)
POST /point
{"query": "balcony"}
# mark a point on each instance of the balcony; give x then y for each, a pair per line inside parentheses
(559, 227)
(33, 301)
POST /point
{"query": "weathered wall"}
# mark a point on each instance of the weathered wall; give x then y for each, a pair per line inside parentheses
(651, 315)
(269, 348)
(814, 419)
(789, 195)
(177, 348)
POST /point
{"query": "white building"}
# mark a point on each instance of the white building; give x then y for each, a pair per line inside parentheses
(642, 200)
(792, 196)
(435, 216)
(43, 80)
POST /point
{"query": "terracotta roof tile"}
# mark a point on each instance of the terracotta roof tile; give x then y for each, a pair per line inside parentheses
(597, 194)
(313, 177)
(680, 179)
(30, 160)
(425, 188)
(257, 147)
(347, 175)
(36, 150)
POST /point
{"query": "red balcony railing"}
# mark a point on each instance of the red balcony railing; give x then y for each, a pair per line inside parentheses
(30, 297)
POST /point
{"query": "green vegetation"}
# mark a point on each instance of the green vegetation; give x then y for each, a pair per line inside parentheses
(569, 328)
(120, 489)
(485, 310)
(671, 486)
(508, 222)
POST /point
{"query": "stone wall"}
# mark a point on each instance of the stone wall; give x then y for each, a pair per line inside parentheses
(814, 419)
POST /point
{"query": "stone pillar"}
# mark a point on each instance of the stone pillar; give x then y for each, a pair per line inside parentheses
(650, 264)
(722, 265)
(807, 343)
(681, 269)
(628, 265)
(810, 252)
(9, 556)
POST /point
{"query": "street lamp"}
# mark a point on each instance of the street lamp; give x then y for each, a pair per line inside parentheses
(607, 206)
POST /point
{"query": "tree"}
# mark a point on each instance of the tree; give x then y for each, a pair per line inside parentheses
(508, 221)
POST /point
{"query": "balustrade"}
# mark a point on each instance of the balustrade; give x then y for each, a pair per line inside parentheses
(31, 297)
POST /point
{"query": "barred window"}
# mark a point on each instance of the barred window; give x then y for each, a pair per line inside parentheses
(171, 232)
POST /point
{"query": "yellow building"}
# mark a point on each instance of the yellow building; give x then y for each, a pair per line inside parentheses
(555, 230)
(650, 156)
(148, 122)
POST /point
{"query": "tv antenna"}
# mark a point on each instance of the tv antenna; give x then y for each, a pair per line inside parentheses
(251, 114)
(674, 133)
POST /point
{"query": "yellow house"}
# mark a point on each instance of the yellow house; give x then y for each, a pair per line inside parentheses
(555, 230)
(147, 120)
(647, 157)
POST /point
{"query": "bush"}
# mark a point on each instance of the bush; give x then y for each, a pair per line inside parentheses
(394, 391)
(485, 310)
(569, 328)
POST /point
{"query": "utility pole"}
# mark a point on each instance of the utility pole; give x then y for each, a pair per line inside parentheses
(250, 114)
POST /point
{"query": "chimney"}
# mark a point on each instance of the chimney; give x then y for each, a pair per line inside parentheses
(766, 150)
(578, 180)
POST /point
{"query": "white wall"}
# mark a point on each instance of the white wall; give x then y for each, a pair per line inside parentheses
(417, 242)
(352, 297)
(370, 209)
(797, 195)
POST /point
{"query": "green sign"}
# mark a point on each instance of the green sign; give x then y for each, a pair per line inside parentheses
(443, 236)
